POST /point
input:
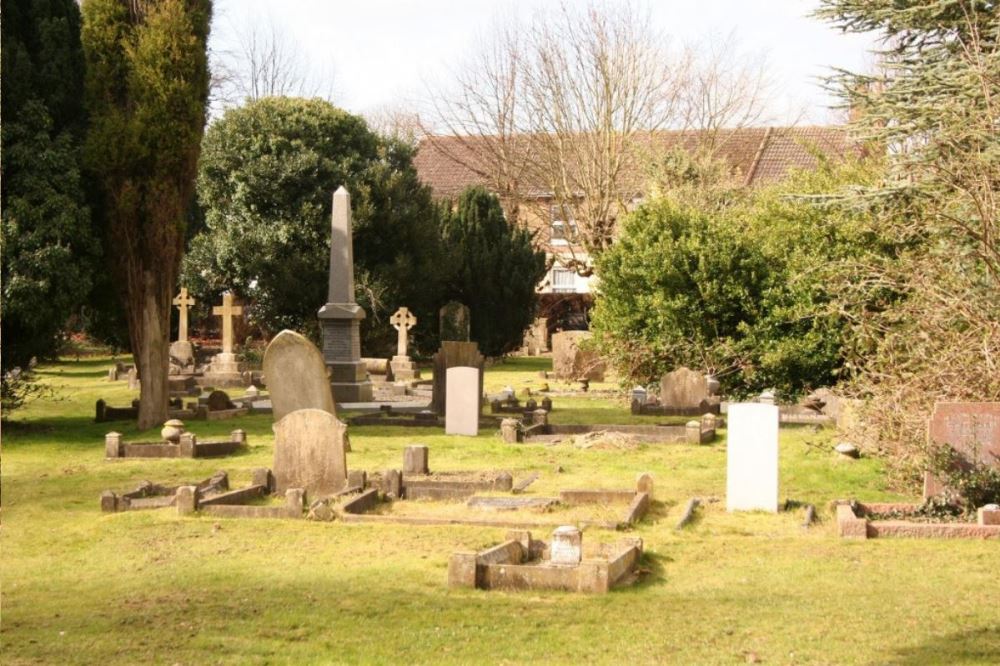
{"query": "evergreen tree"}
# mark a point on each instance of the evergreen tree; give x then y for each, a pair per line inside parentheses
(494, 270)
(47, 244)
(933, 107)
(146, 91)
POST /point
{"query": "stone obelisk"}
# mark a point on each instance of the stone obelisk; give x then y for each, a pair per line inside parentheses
(340, 318)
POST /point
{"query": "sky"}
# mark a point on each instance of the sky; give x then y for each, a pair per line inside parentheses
(374, 53)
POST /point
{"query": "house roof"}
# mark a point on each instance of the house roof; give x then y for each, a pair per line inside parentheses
(757, 155)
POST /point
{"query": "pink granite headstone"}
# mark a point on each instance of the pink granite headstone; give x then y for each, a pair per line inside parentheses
(971, 428)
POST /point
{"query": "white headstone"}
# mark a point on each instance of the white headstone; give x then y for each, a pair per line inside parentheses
(752, 458)
(462, 401)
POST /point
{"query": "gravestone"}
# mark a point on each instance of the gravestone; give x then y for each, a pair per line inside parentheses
(402, 367)
(183, 302)
(567, 546)
(182, 359)
(453, 354)
(570, 362)
(455, 322)
(296, 376)
(971, 428)
(224, 368)
(415, 459)
(309, 453)
(463, 400)
(340, 318)
(536, 338)
(218, 401)
(752, 458)
(686, 392)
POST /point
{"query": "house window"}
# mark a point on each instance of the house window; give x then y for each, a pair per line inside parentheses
(562, 230)
(563, 281)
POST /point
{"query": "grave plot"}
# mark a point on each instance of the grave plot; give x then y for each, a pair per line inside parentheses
(149, 495)
(972, 431)
(176, 443)
(414, 496)
(563, 563)
(538, 429)
(870, 520)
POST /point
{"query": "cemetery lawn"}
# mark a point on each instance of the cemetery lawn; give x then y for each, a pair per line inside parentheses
(82, 587)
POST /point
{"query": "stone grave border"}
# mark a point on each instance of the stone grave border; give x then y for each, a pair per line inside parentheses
(852, 523)
(509, 566)
(187, 447)
(409, 489)
(693, 432)
(149, 495)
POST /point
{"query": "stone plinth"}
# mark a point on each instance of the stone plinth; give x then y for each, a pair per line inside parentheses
(404, 369)
(224, 370)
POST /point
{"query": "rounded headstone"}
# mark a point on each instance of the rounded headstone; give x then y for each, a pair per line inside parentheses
(296, 376)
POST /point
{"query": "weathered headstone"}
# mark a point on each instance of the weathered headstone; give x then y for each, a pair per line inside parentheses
(971, 428)
(340, 318)
(752, 458)
(224, 368)
(536, 338)
(182, 359)
(453, 354)
(183, 302)
(415, 459)
(570, 362)
(455, 322)
(567, 546)
(686, 392)
(309, 453)
(296, 375)
(402, 367)
(463, 399)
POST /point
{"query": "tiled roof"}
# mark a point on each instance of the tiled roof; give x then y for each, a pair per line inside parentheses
(757, 155)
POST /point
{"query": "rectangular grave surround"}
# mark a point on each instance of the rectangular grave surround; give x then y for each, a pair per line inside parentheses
(852, 523)
(520, 563)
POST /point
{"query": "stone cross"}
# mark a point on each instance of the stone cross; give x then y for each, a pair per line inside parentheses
(403, 320)
(183, 302)
(227, 311)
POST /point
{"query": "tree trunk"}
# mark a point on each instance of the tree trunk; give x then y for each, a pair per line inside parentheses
(152, 355)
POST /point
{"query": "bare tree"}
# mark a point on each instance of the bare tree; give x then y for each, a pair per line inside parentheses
(561, 113)
(726, 88)
(396, 122)
(477, 123)
(264, 62)
(597, 83)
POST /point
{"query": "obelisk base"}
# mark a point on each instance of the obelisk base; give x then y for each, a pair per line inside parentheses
(350, 383)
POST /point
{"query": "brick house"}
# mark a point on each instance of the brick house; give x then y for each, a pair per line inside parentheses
(755, 156)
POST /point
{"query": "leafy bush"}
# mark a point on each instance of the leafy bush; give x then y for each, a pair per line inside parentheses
(733, 284)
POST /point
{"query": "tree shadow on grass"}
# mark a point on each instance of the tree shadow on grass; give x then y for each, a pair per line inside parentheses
(974, 646)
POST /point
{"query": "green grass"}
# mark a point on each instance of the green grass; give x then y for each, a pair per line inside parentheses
(83, 587)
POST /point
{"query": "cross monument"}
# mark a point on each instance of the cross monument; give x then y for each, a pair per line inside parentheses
(183, 302)
(227, 311)
(403, 320)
